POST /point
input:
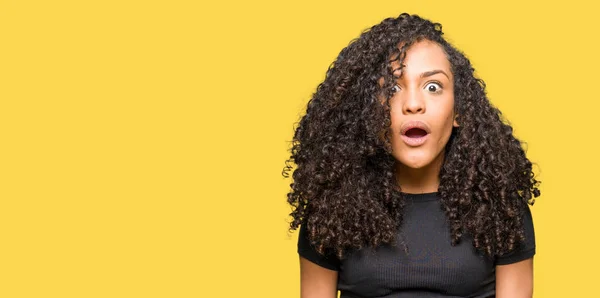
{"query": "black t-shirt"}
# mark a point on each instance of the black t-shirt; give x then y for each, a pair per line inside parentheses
(432, 267)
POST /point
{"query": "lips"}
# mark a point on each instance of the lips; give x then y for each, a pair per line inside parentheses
(414, 133)
(415, 126)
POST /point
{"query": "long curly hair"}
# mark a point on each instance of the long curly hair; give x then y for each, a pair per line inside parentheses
(344, 187)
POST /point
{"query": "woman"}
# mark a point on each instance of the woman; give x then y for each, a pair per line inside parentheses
(408, 183)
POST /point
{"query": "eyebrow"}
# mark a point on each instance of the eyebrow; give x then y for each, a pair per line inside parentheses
(433, 72)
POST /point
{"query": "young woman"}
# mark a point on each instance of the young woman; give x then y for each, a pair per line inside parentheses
(408, 182)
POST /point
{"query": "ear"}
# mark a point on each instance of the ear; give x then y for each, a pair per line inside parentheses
(455, 124)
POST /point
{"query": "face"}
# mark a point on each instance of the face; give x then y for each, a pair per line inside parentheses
(422, 107)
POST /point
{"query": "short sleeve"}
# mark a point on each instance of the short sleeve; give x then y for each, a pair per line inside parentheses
(525, 249)
(308, 251)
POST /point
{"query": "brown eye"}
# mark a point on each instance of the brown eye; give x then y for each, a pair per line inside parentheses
(395, 89)
(433, 87)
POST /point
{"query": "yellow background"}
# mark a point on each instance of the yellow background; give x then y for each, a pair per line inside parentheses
(142, 142)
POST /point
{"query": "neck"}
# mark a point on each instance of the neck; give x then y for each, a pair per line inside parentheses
(422, 180)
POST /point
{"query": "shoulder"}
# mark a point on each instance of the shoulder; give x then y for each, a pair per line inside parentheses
(307, 250)
(525, 249)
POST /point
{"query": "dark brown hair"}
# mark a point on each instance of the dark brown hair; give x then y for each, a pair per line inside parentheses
(344, 186)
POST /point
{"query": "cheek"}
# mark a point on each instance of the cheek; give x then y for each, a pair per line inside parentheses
(396, 121)
(446, 123)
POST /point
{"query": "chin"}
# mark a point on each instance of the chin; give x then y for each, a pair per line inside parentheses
(415, 166)
(414, 162)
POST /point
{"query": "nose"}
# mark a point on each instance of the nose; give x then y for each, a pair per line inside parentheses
(413, 103)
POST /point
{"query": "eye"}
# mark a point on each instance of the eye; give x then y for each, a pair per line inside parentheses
(395, 89)
(433, 87)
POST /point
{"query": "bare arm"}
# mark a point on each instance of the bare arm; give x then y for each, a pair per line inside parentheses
(515, 280)
(316, 281)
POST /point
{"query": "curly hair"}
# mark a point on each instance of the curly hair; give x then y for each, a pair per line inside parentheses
(344, 187)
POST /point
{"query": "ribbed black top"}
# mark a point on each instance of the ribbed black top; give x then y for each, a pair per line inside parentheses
(431, 268)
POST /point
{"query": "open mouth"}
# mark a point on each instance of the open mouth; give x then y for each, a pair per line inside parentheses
(416, 133)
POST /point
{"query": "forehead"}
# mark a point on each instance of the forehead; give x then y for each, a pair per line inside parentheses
(423, 56)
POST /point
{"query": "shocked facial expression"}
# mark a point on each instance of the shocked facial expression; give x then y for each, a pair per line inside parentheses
(422, 106)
